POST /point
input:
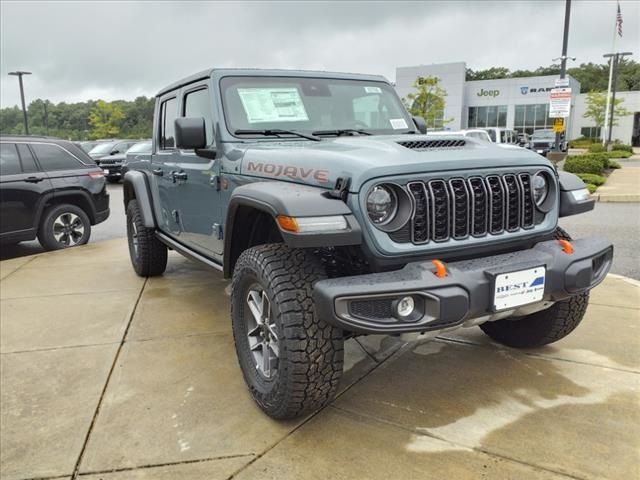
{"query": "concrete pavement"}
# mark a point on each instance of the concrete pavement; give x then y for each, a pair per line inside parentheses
(623, 185)
(105, 375)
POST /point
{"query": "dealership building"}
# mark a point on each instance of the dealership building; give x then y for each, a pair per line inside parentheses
(520, 104)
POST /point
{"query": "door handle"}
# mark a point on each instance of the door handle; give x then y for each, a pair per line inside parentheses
(158, 171)
(179, 176)
(33, 179)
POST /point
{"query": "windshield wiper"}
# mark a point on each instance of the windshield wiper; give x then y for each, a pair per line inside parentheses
(341, 131)
(276, 132)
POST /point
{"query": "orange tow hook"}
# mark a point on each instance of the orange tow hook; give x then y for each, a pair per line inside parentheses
(566, 246)
(441, 270)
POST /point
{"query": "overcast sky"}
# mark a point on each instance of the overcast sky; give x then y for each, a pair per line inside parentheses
(80, 50)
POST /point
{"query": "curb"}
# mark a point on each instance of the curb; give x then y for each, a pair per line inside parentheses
(616, 197)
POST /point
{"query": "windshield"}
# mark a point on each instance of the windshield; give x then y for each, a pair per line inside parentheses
(543, 134)
(312, 105)
(492, 135)
(140, 147)
(103, 147)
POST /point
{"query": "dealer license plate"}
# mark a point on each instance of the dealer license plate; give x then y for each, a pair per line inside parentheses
(518, 288)
(540, 151)
(106, 171)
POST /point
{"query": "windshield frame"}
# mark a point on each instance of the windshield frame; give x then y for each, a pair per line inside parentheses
(224, 108)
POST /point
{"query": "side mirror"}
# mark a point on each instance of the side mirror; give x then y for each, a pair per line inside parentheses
(190, 133)
(420, 124)
(113, 152)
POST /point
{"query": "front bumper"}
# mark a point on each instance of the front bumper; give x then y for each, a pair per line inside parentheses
(465, 293)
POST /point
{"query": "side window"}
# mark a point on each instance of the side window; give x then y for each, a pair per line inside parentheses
(9, 160)
(28, 163)
(197, 104)
(168, 114)
(52, 157)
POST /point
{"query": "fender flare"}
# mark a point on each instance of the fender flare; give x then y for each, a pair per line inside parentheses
(293, 200)
(136, 185)
(569, 204)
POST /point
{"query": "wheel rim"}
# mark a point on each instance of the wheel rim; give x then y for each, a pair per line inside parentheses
(134, 237)
(68, 229)
(262, 332)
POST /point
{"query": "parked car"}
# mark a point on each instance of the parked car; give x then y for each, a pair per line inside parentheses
(139, 152)
(502, 136)
(478, 134)
(524, 140)
(544, 141)
(335, 216)
(110, 155)
(50, 189)
(89, 145)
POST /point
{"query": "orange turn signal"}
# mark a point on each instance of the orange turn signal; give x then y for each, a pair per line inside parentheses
(287, 224)
(441, 270)
(566, 246)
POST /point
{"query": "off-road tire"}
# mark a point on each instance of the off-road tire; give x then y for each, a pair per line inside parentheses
(543, 327)
(311, 350)
(46, 230)
(150, 257)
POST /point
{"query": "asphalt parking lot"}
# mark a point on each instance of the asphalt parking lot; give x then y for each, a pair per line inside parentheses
(105, 375)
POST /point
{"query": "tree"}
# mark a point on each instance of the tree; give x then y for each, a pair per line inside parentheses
(596, 105)
(428, 102)
(105, 119)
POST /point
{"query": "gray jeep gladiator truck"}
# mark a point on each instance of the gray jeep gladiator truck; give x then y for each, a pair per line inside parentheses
(335, 216)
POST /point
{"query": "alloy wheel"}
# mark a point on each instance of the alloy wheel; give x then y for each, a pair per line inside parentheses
(68, 229)
(262, 332)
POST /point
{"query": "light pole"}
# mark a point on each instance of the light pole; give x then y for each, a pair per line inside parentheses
(609, 114)
(19, 74)
(564, 57)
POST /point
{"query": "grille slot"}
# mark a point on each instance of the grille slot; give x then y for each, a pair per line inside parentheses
(475, 206)
(431, 144)
(372, 309)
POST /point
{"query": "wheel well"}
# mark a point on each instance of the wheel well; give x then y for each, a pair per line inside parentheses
(250, 227)
(128, 193)
(78, 200)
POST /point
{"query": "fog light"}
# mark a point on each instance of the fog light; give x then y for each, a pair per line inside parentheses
(405, 307)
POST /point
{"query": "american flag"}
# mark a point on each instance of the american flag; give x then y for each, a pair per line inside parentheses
(619, 21)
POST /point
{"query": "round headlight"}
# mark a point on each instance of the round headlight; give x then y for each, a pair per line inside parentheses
(540, 186)
(382, 204)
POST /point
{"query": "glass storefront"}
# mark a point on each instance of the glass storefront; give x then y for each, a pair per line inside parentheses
(591, 132)
(492, 116)
(529, 118)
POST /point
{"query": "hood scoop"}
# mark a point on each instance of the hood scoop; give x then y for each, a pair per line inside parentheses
(433, 144)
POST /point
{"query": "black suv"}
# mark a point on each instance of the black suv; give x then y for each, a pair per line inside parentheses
(49, 189)
(110, 155)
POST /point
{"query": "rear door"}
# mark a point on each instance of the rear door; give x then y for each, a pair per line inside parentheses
(22, 189)
(164, 161)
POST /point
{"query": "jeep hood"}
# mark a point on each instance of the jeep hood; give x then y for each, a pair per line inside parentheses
(364, 158)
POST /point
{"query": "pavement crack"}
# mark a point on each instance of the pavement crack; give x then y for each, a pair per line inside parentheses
(106, 383)
(365, 350)
(166, 464)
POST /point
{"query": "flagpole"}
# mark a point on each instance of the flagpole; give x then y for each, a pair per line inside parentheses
(606, 111)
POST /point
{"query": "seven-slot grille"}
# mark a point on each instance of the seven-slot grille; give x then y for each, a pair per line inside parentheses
(476, 206)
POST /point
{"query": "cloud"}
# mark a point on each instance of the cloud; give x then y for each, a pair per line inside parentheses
(80, 50)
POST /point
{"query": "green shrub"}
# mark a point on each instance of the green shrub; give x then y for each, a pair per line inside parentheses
(592, 163)
(597, 148)
(596, 180)
(619, 154)
(591, 187)
(582, 142)
(614, 165)
(623, 147)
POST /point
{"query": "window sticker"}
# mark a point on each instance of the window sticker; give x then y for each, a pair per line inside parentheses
(398, 123)
(272, 105)
(372, 89)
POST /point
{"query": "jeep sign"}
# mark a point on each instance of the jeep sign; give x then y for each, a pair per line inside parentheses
(488, 93)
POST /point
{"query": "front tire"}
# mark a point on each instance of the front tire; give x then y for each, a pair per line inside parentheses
(64, 226)
(291, 360)
(148, 254)
(543, 327)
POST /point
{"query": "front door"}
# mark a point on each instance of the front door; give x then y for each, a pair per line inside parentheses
(199, 181)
